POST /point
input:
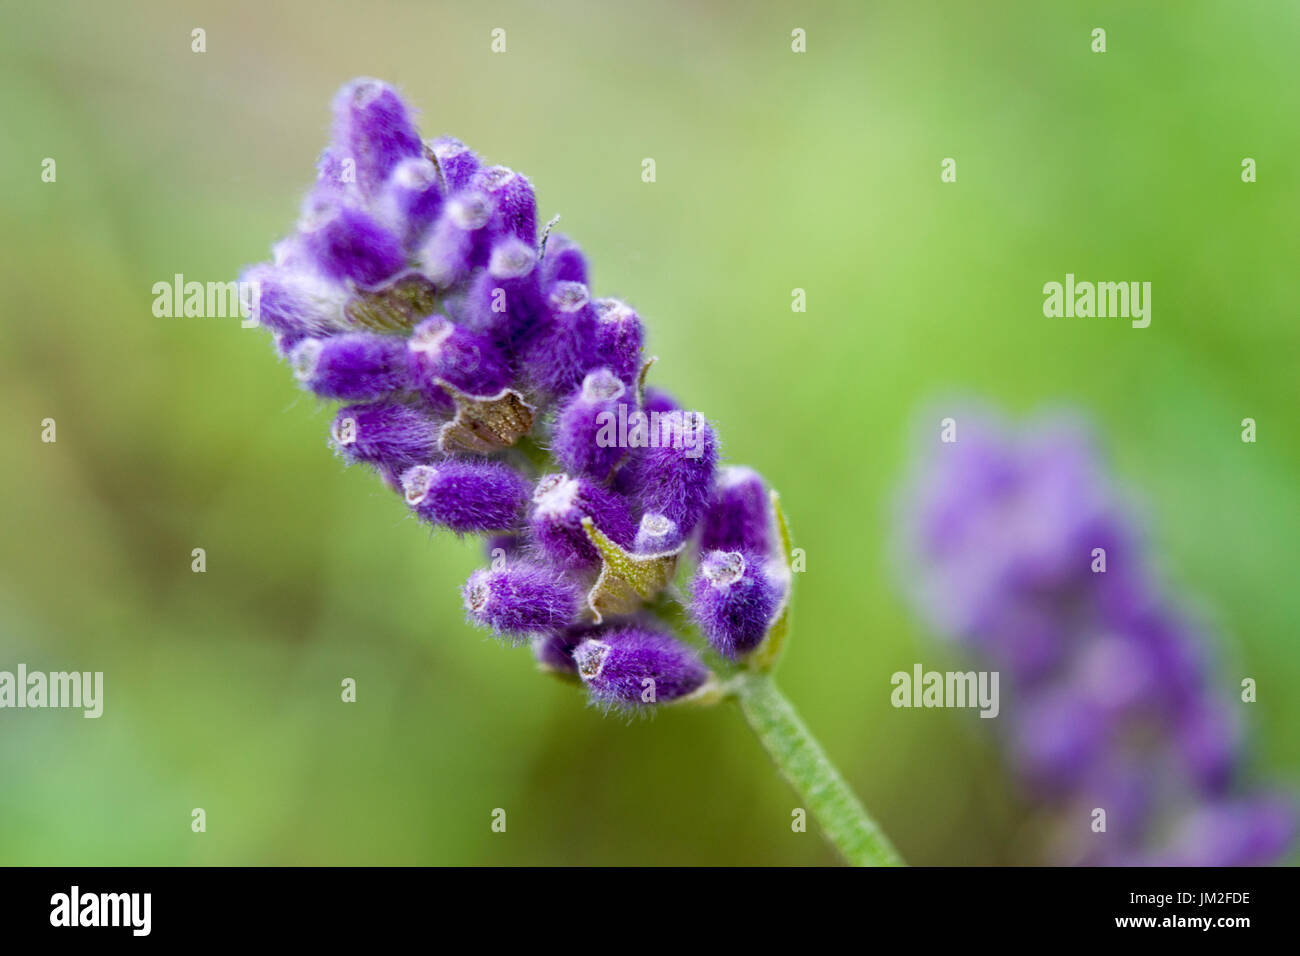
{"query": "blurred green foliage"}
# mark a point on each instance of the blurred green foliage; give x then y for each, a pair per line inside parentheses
(775, 171)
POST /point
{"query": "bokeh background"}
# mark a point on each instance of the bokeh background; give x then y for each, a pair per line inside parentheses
(775, 171)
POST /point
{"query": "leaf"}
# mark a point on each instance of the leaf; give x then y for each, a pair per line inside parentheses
(485, 424)
(626, 580)
(769, 651)
(393, 306)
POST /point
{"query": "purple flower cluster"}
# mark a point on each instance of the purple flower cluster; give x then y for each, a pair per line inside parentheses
(1017, 547)
(482, 377)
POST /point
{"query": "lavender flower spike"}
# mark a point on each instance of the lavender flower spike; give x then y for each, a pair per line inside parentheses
(1017, 545)
(480, 368)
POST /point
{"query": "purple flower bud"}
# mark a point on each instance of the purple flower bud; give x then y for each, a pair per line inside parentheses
(358, 366)
(459, 241)
(619, 338)
(387, 434)
(441, 351)
(657, 534)
(674, 475)
(411, 200)
(458, 162)
(734, 601)
(564, 348)
(348, 244)
(335, 179)
(373, 127)
(295, 303)
(505, 302)
(633, 667)
(583, 440)
(559, 505)
(563, 262)
(739, 517)
(521, 599)
(466, 496)
(513, 201)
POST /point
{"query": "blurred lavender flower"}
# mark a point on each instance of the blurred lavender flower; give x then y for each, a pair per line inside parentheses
(1016, 545)
(416, 287)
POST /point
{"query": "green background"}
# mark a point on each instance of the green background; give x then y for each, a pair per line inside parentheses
(775, 171)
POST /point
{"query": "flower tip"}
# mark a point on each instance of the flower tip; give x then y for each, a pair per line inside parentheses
(416, 483)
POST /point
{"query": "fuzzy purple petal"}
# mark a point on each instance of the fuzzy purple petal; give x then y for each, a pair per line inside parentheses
(739, 516)
(521, 599)
(734, 601)
(388, 434)
(633, 667)
(467, 496)
(374, 128)
(358, 366)
(560, 502)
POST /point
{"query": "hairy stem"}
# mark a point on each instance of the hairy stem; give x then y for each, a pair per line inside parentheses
(803, 763)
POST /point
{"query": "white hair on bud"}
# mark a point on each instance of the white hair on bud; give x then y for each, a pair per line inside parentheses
(497, 177)
(305, 359)
(429, 339)
(415, 173)
(470, 211)
(416, 483)
(602, 385)
(613, 310)
(555, 494)
(512, 259)
(723, 568)
(569, 296)
(590, 657)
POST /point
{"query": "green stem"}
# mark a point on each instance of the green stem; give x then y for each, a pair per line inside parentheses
(804, 764)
